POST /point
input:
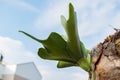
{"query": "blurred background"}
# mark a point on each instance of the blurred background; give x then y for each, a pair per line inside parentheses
(40, 18)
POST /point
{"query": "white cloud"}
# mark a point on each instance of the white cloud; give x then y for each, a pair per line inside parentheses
(93, 16)
(21, 4)
(81, 76)
(116, 21)
(50, 73)
(14, 51)
(51, 16)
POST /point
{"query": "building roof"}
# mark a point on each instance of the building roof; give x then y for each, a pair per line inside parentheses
(25, 71)
(28, 70)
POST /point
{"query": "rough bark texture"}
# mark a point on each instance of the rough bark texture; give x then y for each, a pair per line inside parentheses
(106, 58)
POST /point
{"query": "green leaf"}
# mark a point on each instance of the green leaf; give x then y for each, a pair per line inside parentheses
(84, 51)
(63, 21)
(63, 64)
(30, 36)
(54, 47)
(72, 33)
(84, 64)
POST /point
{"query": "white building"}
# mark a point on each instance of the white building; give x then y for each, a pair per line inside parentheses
(25, 71)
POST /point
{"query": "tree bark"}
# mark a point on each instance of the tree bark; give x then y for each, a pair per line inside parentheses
(106, 59)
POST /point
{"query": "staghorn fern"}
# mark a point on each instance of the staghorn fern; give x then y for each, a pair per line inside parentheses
(70, 52)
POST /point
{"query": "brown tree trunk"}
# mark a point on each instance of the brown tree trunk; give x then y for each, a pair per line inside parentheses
(106, 59)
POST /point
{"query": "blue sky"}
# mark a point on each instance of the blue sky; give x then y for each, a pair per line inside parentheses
(40, 18)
